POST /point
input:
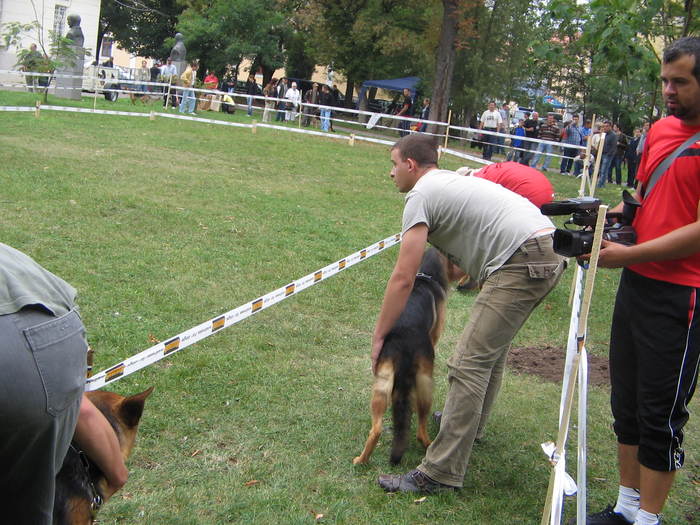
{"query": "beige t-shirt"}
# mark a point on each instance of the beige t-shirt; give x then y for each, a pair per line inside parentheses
(476, 223)
(23, 282)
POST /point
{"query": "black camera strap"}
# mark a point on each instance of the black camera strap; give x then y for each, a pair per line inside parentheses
(663, 166)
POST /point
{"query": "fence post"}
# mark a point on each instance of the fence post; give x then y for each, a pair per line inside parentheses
(38, 109)
(447, 131)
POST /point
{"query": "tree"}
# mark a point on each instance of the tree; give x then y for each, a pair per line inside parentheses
(229, 30)
(453, 14)
(493, 59)
(367, 39)
(142, 27)
(607, 52)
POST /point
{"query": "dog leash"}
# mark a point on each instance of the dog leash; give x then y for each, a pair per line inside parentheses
(96, 498)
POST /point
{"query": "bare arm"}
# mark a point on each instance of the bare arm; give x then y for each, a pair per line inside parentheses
(400, 285)
(676, 244)
(96, 437)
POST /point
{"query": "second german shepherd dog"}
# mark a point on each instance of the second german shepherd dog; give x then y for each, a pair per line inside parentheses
(404, 371)
(80, 484)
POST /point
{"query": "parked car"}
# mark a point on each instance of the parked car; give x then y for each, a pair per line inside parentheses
(103, 79)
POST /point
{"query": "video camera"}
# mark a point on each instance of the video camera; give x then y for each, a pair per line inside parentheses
(584, 212)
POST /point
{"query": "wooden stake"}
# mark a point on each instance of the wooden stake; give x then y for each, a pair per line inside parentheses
(167, 97)
(598, 160)
(352, 139)
(580, 341)
(586, 163)
(38, 109)
(94, 97)
(447, 132)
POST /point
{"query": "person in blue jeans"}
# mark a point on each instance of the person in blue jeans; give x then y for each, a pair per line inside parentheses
(325, 99)
(189, 101)
(572, 136)
(548, 131)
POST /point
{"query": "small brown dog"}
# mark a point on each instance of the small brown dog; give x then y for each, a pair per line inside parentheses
(404, 372)
(80, 484)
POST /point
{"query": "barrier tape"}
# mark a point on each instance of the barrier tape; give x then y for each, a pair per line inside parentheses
(184, 339)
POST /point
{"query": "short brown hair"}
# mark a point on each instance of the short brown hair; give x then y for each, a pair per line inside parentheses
(419, 147)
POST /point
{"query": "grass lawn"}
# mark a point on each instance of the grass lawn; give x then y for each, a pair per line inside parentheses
(163, 224)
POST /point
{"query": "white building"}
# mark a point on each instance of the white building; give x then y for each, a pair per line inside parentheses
(51, 17)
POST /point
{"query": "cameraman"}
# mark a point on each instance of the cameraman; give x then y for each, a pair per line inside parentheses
(655, 335)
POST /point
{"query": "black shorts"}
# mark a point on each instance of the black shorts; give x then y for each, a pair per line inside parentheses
(654, 356)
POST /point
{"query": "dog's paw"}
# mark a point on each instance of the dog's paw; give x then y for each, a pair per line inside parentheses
(359, 461)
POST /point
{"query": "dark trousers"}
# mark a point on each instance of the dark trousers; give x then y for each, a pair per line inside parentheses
(617, 166)
(632, 164)
(654, 357)
(526, 156)
(567, 160)
(490, 142)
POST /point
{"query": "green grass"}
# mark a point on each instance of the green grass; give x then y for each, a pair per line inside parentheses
(164, 224)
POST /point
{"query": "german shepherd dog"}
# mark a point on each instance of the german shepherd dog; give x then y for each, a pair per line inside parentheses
(80, 484)
(404, 372)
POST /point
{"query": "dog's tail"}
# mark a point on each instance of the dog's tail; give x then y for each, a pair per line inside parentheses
(401, 412)
(402, 407)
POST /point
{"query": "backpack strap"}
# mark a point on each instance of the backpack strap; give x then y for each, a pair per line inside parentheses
(663, 166)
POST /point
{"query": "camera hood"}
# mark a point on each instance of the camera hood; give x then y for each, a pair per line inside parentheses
(569, 206)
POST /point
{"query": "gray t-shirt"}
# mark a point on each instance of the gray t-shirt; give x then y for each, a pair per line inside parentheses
(476, 223)
(23, 282)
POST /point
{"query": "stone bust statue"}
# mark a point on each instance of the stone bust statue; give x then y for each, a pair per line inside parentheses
(178, 52)
(75, 33)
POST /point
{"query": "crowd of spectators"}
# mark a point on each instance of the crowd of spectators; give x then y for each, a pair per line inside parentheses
(617, 149)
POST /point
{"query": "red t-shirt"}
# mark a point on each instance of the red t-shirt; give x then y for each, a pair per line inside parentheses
(518, 178)
(673, 202)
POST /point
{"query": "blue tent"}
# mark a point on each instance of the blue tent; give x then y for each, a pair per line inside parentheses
(392, 84)
(549, 99)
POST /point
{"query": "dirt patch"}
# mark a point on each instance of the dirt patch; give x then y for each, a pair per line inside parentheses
(548, 363)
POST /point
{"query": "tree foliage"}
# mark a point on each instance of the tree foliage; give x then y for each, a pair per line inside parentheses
(367, 39)
(494, 59)
(227, 31)
(605, 54)
(143, 27)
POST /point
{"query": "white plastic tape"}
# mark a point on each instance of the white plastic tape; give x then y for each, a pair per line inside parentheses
(183, 340)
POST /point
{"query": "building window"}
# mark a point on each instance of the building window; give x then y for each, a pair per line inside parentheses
(106, 50)
(59, 20)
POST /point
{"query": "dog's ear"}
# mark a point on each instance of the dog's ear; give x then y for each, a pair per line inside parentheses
(132, 407)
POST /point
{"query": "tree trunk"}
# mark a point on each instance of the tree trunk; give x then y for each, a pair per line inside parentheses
(444, 66)
(688, 16)
(349, 92)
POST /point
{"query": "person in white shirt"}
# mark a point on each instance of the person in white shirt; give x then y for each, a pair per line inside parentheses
(294, 97)
(490, 120)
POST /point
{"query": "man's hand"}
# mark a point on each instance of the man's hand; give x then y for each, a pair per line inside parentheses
(400, 285)
(613, 255)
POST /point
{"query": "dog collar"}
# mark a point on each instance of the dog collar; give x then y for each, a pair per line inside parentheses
(97, 500)
(421, 275)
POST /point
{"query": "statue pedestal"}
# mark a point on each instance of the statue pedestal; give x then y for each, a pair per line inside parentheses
(71, 88)
(181, 65)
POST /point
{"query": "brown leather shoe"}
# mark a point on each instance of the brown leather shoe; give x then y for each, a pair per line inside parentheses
(413, 481)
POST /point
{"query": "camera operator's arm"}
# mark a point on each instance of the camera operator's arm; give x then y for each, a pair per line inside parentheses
(676, 244)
